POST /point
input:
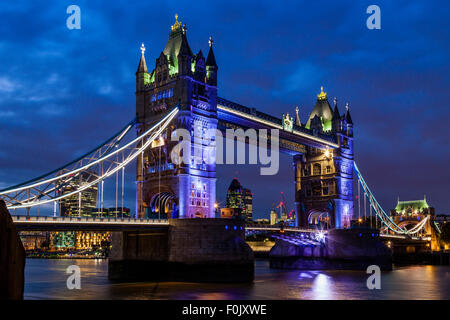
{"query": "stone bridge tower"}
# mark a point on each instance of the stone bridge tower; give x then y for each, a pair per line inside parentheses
(180, 78)
(324, 178)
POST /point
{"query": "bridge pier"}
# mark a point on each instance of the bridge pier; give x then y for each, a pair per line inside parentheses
(343, 249)
(197, 250)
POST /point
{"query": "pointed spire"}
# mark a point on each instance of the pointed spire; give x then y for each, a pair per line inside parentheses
(297, 117)
(322, 95)
(336, 114)
(142, 64)
(199, 55)
(177, 24)
(184, 47)
(211, 60)
(348, 118)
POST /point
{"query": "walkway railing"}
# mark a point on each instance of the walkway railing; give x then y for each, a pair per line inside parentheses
(87, 220)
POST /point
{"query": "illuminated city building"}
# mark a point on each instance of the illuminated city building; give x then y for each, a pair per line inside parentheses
(90, 240)
(111, 212)
(248, 204)
(273, 217)
(62, 240)
(34, 240)
(262, 221)
(240, 199)
(412, 208)
(230, 213)
(408, 214)
(78, 240)
(79, 204)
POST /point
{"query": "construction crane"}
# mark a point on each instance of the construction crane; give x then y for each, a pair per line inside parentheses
(290, 215)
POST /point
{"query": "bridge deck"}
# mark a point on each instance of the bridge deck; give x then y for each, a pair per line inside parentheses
(45, 223)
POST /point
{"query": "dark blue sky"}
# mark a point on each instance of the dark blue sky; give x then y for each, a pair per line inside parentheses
(64, 91)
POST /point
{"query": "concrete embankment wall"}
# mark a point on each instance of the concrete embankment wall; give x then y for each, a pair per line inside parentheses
(199, 250)
(12, 258)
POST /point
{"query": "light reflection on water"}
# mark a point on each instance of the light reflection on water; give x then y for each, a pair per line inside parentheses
(46, 279)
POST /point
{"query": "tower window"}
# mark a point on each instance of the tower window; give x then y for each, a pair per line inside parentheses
(316, 169)
(325, 191)
(345, 142)
(328, 169)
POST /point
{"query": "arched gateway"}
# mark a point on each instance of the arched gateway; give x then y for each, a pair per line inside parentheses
(322, 149)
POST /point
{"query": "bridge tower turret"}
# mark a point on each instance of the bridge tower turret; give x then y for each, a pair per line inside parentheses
(182, 79)
(324, 177)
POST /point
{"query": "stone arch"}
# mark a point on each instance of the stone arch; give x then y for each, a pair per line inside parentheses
(164, 204)
(163, 198)
(198, 214)
(319, 218)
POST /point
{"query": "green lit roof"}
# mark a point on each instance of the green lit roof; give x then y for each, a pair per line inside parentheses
(323, 110)
(176, 43)
(414, 205)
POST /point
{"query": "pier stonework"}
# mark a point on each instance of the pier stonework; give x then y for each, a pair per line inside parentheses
(343, 249)
(198, 250)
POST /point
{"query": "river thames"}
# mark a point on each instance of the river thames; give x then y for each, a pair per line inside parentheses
(46, 279)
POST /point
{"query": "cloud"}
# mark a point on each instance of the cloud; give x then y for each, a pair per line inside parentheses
(7, 85)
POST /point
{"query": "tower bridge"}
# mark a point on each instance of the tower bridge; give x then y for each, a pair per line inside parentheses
(181, 92)
(322, 147)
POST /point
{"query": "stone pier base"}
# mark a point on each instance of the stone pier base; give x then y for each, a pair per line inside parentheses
(195, 250)
(344, 249)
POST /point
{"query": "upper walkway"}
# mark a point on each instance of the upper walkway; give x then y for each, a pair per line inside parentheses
(233, 115)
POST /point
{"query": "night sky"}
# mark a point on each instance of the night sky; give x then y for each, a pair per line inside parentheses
(62, 92)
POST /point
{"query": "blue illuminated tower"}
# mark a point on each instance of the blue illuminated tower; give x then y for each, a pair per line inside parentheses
(183, 79)
(324, 177)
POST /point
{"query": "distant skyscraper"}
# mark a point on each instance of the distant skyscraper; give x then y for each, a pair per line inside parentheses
(75, 205)
(240, 199)
(248, 204)
(273, 217)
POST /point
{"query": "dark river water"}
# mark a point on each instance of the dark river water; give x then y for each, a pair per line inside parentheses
(46, 279)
